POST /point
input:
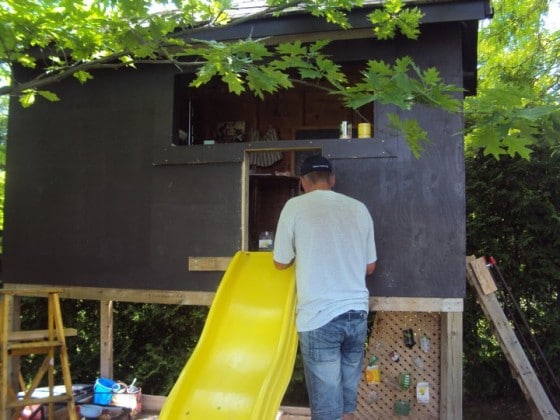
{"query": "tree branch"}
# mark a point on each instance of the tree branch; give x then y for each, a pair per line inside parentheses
(108, 62)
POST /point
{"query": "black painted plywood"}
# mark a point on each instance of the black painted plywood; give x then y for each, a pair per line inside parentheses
(85, 204)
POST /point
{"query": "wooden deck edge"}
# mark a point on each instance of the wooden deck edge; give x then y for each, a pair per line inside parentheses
(201, 298)
(171, 297)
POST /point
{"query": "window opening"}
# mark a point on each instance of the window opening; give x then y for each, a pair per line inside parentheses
(212, 115)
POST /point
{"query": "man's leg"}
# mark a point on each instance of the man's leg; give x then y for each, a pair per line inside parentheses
(353, 360)
(320, 351)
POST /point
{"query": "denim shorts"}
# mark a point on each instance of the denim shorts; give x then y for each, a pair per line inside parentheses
(333, 361)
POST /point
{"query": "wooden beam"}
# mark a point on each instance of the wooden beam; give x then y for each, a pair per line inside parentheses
(166, 297)
(451, 374)
(482, 274)
(200, 298)
(415, 304)
(106, 339)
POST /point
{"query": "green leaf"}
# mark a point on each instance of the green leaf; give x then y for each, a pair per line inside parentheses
(234, 82)
(521, 146)
(27, 61)
(535, 113)
(487, 138)
(309, 73)
(317, 46)
(48, 95)
(83, 76)
(27, 98)
(393, 6)
(291, 48)
(414, 135)
(393, 16)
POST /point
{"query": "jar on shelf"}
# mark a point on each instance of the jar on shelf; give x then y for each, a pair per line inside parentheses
(266, 241)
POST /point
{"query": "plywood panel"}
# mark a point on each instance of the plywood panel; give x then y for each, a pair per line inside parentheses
(323, 110)
(85, 205)
(281, 112)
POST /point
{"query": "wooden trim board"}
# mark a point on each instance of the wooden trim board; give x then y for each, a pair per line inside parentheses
(199, 298)
(415, 304)
(168, 297)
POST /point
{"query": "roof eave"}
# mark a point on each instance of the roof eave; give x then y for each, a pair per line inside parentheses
(302, 23)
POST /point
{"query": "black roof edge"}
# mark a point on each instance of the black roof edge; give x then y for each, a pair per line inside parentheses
(301, 23)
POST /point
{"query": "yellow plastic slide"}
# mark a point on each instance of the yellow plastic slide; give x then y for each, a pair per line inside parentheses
(244, 359)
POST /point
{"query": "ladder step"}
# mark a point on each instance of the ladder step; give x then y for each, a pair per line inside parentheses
(19, 349)
(37, 334)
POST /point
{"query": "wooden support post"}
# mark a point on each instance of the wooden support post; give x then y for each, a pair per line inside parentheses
(14, 322)
(451, 385)
(4, 387)
(106, 339)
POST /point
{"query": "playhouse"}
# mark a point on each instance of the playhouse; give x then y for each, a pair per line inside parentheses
(135, 187)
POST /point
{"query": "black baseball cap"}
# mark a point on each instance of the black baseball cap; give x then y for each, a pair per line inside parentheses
(315, 163)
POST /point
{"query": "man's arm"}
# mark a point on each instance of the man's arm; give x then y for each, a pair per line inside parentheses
(282, 266)
(370, 268)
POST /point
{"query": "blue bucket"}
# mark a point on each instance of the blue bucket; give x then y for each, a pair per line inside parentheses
(103, 391)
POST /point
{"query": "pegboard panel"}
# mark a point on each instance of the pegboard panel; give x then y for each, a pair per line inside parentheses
(377, 400)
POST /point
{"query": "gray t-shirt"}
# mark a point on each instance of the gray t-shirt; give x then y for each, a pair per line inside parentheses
(333, 237)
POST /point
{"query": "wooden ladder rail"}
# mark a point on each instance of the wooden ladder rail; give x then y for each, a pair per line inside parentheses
(21, 343)
(480, 278)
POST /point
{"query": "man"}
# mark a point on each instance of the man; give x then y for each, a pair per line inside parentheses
(331, 237)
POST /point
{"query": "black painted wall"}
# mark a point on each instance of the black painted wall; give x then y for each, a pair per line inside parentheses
(87, 205)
